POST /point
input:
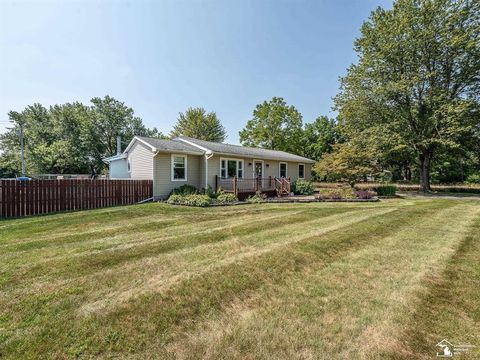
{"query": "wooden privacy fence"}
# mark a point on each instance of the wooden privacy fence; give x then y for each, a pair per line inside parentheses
(32, 197)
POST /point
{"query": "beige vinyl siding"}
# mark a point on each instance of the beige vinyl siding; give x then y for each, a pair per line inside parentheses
(141, 161)
(271, 170)
(163, 184)
(213, 170)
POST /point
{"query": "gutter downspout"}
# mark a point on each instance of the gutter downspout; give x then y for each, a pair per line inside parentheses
(153, 175)
(208, 155)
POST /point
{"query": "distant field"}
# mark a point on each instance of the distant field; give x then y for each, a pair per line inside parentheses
(383, 280)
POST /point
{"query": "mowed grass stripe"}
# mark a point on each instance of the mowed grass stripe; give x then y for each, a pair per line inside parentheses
(124, 235)
(155, 318)
(87, 263)
(339, 308)
(170, 265)
(64, 233)
(448, 307)
(202, 259)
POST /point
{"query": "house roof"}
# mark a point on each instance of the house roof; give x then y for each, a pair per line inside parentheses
(114, 157)
(244, 151)
(166, 145)
(187, 145)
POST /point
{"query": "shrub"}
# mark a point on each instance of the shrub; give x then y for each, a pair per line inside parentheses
(185, 190)
(209, 192)
(303, 187)
(386, 190)
(190, 200)
(198, 200)
(473, 179)
(175, 199)
(336, 194)
(257, 198)
(365, 194)
(226, 198)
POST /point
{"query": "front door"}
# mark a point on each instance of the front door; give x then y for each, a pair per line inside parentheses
(258, 168)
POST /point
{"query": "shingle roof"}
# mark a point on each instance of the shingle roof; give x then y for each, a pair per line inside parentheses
(170, 145)
(245, 151)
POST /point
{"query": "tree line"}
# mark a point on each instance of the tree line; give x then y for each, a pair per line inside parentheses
(73, 138)
(409, 109)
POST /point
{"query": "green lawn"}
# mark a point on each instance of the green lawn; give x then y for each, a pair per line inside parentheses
(269, 281)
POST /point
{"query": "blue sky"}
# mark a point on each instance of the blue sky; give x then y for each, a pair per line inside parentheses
(160, 57)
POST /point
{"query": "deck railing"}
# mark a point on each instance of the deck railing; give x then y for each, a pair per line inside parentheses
(252, 185)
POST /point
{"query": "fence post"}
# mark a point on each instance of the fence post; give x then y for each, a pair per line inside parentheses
(235, 185)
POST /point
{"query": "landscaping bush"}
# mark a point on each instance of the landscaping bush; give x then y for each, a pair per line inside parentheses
(303, 187)
(185, 190)
(190, 200)
(226, 198)
(386, 190)
(336, 194)
(209, 192)
(473, 179)
(365, 194)
(257, 198)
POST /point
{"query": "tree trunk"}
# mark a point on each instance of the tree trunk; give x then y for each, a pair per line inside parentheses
(425, 162)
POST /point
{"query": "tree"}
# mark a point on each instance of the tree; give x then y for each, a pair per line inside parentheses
(199, 124)
(351, 162)
(112, 118)
(319, 137)
(418, 77)
(275, 126)
(68, 138)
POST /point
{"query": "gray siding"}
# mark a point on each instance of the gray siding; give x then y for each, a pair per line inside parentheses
(141, 161)
(163, 184)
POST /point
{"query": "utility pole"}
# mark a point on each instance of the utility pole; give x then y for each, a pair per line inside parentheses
(22, 150)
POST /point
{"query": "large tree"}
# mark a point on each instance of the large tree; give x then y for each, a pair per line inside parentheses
(112, 118)
(418, 77)
(199, 124)
(319, 137)
(350, 161)
(68, 138)
(275, 125)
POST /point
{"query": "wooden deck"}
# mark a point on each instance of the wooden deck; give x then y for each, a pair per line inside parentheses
(242, 187)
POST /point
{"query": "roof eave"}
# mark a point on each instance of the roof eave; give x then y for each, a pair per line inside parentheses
(179, 152)
(114, 157)
(305, 160)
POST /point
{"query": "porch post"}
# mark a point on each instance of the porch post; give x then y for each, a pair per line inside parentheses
(235, 186)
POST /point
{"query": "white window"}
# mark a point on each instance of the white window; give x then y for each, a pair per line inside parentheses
(301, 171)
(230, 168)
(179, 167)
(282, 170)
(240, 169)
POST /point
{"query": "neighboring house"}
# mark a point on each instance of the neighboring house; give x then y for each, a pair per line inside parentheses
(184, 160)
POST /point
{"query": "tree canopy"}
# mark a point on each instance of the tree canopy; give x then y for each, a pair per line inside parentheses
(275, 125)
(319, 137)
(68, 138)
(199, 124)
(418, 78)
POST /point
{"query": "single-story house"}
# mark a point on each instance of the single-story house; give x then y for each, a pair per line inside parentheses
(184, 160)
